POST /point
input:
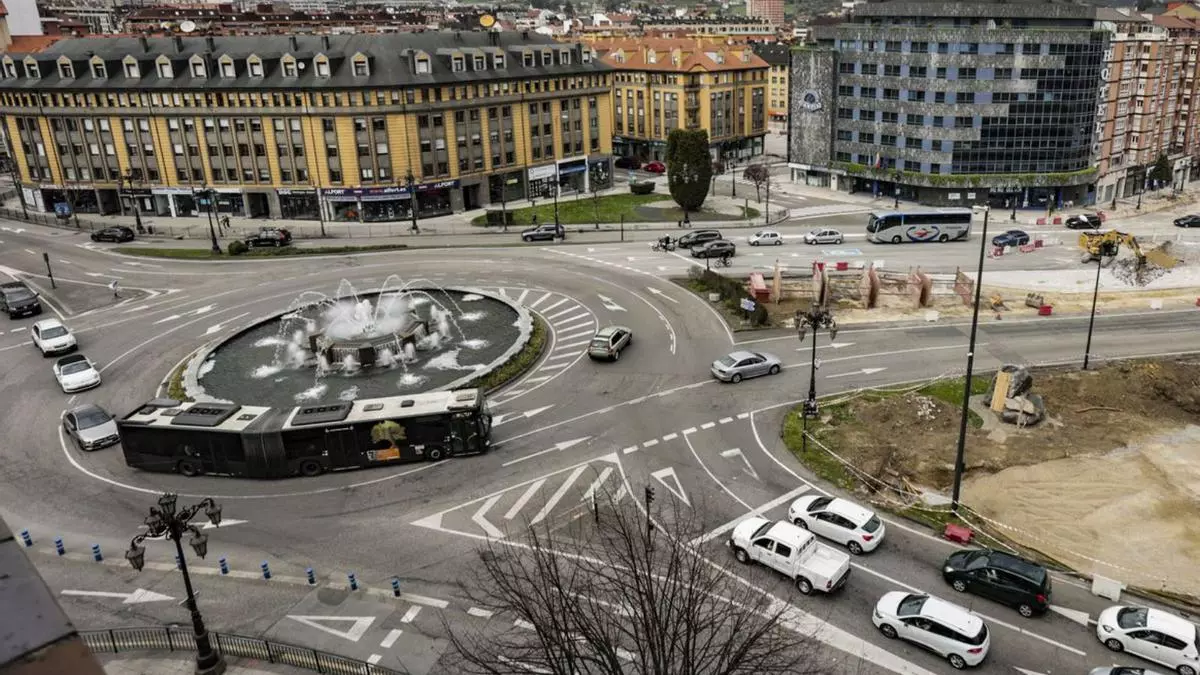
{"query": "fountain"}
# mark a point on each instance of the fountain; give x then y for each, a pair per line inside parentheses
(404, 337)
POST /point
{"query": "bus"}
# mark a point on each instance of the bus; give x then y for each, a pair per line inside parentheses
(229, 439)
(931, 225)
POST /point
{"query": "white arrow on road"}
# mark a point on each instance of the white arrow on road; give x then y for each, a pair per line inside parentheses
(661, 294)
(737, 452)
(218, 327)
(138, 596)
(504, 418)
(609, 304)
(1027, 672)
(1080, 617)
(354, 634)
(860, 371)
(557, 447)
(203, 310)
(18, 230)
(106, 276)
(833, 345)
(166, 319)
(224, 523)
(669, 472)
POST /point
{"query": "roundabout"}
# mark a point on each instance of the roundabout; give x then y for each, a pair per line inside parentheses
(566, 428)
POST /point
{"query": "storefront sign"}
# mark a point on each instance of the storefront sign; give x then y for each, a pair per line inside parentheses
(441, 185)
(137, 192)
(543, 172)
(172, 191)
(295, 191)
(565, 169)
(228, 191)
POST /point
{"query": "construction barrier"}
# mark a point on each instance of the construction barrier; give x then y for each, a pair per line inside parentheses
(1034, 300)
(996, 252)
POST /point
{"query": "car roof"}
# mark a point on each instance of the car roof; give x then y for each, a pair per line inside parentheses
(1017, 565)
(86, 408)
(609, 330)
(789, 534)
(850, 510)
(1165, 622)
(48, 323)
(741, 354)
(950, 614)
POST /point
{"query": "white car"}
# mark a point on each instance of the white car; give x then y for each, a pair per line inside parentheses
(76, 373)
(941, 627)
(825, 236)
(765, 238)
(845, 522)
(791, 551)
(52, 337)
(1152, 634)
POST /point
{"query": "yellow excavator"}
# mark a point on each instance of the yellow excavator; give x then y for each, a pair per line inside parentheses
(1104, 246)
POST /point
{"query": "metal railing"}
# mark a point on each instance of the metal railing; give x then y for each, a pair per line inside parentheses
(181, 639)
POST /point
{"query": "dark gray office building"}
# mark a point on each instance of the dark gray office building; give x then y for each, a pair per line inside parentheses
(951, 103)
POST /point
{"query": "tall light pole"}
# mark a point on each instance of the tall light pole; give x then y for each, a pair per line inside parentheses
(127, 179)
(167, 521)
(210, 197)
(1106, 250)
(959, 455)
(816, 317)
(411, 181)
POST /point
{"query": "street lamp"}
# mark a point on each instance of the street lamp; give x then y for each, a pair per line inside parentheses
(1016, 200)
(686, 173)
(1140, 191)
(959, 457)
(1107, 250)
(166, 521)
(209, 196)
(122, 181)
(411, 181)
(816, 317)
(896, 202)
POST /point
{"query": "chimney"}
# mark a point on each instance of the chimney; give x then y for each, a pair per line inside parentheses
(179, 44)
(325, 41)
(295, 44)
(212, 43)
(145, 44)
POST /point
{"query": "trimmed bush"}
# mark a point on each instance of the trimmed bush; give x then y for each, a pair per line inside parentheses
(642, 188)
(732, 293)
(238, 247)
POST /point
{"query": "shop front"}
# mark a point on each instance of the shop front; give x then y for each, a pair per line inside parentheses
(76, 200)
(230, 202)
(435, 199)
(385, 205)
(542, 181)
(599, 173)
(139, 200)
(298, 204)
(506, 187)
(573, 175)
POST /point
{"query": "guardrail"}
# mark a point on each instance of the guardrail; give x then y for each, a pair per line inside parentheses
(180, 639)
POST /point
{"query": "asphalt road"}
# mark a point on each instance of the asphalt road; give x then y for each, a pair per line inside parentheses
(567, 427)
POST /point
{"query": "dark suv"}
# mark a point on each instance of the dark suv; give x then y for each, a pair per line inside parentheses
(698, 238)
(1003, 577)
(17, 299)
(1086, 221)
(270, 236)
(715, 249)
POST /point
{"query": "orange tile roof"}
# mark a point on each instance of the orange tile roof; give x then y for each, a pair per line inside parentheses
(32, 44)
(694, 55)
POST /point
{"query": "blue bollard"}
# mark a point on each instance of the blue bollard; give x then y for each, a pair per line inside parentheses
(96, 553)
(353, 582)
(396, 586)
(28, 540)
(265, 570)
(58, 546)
(223, 565)
(312, 576)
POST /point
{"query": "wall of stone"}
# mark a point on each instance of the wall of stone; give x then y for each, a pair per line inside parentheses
(812, 106)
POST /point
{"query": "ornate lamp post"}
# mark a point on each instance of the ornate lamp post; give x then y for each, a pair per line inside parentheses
(411, 181)
(816, 317)
(686, 173)
(210, 195)
(165, 520)
(127, 180)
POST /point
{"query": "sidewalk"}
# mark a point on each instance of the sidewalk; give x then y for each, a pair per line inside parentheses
(181, 664)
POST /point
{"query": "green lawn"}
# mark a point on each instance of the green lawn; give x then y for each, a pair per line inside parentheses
(588, 211)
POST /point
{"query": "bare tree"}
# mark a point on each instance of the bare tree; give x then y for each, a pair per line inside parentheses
(612, 595)
(758, 174)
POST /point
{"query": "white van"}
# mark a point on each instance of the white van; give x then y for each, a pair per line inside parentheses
(791, 551)
(943, 628)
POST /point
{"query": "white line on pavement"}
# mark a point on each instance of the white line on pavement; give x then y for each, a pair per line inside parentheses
(391, 638)
(374, 658)
(707, 425)
(632, 448)
(573, 336)
(564, 312)
(689, 430)
(560, 301)
(713, 534)
(670, 437)
(650, 443)
(410, 614)
(524, 499)
(572, 345)
(482, 613)
(571, 319)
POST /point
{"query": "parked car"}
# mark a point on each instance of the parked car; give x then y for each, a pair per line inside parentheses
(627, 163)
(698, 237)
(91, 427)
(655, 167)
(1152, 634)
(715, 249)
(1188, 221)
(76, 373)
(52, 337)
(270, 236)
(824, 236)
(765, 238)
(841, 520)
(740, 365)
(544, 232)
(1084, 221)
(943, 628)
(118, 234)
(1011, 238)
(792, 552)
(1003, 577)
(17, 299)
(609, 342)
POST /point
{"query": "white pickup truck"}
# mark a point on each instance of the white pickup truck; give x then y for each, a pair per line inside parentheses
(792, 551)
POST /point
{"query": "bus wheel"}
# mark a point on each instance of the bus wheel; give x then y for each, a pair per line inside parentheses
(435, 455)
(944, 238)
(188, 468)
(310, 468)
(896, 239)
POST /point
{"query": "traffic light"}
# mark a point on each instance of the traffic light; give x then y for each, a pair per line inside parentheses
(649, 495)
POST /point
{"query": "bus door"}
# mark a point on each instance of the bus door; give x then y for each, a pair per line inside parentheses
(341, 445)
(463, 436)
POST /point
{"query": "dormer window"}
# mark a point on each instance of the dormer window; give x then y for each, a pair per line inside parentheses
(745, 57)
(457, 64)
(131, 68)
(651, 57)
(165, 71)
(227, 68)
(255, 66)
(498, 61)
(422, 65)
(66, 70)
(587, 56)
(289, 66)
(547, 57)
(31, 69)
(479, 63)
(564, 57)
(362, 68)
(527, 59)
(321, 63)
(10, 68)
(198, 69)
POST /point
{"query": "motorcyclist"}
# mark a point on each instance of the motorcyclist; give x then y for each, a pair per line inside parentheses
(665, 242)
(726, 259)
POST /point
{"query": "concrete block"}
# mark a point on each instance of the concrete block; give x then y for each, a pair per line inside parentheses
(1109, 589)
(932, 315)
(1156, 304)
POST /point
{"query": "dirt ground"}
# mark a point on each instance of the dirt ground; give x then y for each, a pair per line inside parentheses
(1113, 472)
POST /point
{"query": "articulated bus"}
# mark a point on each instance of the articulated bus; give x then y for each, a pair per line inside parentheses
(931, 225)
(258, 442)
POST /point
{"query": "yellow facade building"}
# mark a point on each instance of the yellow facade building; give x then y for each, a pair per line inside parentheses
(350, 128)
(779, 57)
(662, 84)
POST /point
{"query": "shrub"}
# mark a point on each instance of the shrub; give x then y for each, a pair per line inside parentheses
(732, 293)
(237, 247)
(641, 188)
(689, 167)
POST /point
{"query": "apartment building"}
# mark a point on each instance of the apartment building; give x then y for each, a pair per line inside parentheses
(952, 104)
(350, 128)
(662, 84)
(769, 10)
(779, 56)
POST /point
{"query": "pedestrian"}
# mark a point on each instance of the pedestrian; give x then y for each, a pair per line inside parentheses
(115, 288)
(535, 219)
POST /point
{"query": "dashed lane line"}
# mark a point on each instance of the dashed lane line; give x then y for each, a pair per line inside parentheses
(725, 420)
(411, 614)
(707, 425)
(391, 638)
(650, 443)
(689, 430)
(481, 613)
(670, 437)
(539, 301)
(632, 448)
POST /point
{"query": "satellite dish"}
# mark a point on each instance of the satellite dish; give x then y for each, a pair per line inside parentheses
(301, 65)
(487, 21)
(187, 26)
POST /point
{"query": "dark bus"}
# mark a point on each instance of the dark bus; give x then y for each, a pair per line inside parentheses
(257, 442)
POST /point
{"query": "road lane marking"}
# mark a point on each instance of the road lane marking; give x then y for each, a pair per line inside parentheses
(743, 416)
(374, 658)
(707, 425)
(670, 437)
(521, 298)
(481, 613)
(558, 495)
(539, 301)
(564, 312)
(554, 357)
(560, 301)
(650, 443)
(725, 420)
(534, 380)
(555, 366)
(689, 430)
(632, 448)
(391, 638)
(410, 614)
(575, 326)
(577, 317)
(522, 623)
(782, 499)
(524, 499)
(574, 336)
(478, 518)
(572, 345)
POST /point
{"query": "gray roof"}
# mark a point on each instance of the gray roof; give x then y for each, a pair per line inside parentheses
(391, 61)
(776, 53)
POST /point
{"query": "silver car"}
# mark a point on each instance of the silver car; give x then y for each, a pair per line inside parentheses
(825, 236)
(91, 427)
(739, 365)
(609, 342)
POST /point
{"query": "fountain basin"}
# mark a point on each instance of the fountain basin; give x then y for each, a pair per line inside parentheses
(343, 348)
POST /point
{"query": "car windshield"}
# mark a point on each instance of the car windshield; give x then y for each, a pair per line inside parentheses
(911, 605)
(76, 367)
(1132, 617)
(979, 637)
(19, 294)
(872, 224)
(93, 417)
(599, 341)
(54, 332)
(726, 361)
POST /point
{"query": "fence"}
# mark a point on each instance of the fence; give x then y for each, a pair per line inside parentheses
(177, 638)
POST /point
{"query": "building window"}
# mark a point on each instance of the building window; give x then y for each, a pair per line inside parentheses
(360, 67)
(164, 70)
(966, 73)
(457, 64)
(99, 71)
(197, 68)
(131, 69)
(547, 57)
(66, 70)
(255, 67)
(498, 61)
(322, 65)
(289, 68)
(227, 69)
(422, 64)
(870, 68)
(479, 63)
